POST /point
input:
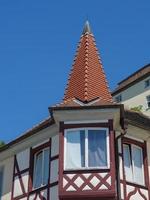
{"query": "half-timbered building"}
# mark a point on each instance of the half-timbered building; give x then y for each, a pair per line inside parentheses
(89, 148)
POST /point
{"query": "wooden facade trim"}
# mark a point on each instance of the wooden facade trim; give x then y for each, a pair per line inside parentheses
(33, 152)
(18, 173)
(137, 187)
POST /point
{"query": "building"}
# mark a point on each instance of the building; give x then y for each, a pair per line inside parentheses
(134, 91)
(89, 148)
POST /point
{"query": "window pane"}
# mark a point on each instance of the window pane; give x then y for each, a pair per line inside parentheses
(46, 166)
(127, 163)
(97, 148)
(37, 178)
(75, 149)
(138, 162)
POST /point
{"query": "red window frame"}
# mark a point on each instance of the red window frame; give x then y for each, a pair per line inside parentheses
(33, 152)
(142, 145)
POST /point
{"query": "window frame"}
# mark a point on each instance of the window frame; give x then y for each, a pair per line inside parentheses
(34, 152)
(118, 98)
(148, 101)
(86, 148)
(42, 166)
(142, 146)
(147, 83)
(131, 146)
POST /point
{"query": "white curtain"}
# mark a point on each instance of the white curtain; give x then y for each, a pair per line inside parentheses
(37, 177)
(127, 163)
(97, 148)
(137, 163)
(75, 147)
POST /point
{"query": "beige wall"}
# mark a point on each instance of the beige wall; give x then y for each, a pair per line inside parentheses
(7, 178)
(135, 96)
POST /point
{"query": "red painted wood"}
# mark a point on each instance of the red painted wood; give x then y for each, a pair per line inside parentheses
(94, 192)
(136, 187)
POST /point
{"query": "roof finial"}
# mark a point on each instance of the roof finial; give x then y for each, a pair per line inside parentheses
(87, 28)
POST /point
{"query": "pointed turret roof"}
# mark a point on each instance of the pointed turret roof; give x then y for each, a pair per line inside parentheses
(87, 80)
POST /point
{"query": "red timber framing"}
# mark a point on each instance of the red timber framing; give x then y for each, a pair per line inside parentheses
(34, 193)
(136, 188)
(108, 188)
(17, 173)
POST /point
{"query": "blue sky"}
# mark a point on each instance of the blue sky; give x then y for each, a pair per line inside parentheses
(38, 40)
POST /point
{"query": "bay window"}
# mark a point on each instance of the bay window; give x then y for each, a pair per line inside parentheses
(41, 168)
(86, 148)
(133, 163)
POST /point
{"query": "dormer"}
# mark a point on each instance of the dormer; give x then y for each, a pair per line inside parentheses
(87, 119)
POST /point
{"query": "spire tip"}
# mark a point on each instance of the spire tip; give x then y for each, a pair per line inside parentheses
(87, 28)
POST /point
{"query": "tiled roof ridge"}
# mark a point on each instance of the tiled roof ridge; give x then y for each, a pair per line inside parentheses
(101, 63)
(86, 68)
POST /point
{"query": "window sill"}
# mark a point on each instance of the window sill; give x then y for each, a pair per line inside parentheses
(42, 187)
(136, 185)
(87, 170)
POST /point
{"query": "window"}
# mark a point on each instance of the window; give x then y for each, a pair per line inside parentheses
(41, 168)
(86, 148)
(133, 163)
(148, 101)
(147, 83)
(118, 98)
(1, 181)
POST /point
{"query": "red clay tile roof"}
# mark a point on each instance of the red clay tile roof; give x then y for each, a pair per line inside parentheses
(73, 102)
(87, 79)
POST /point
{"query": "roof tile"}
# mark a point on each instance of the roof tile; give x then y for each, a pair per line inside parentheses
(87, 79)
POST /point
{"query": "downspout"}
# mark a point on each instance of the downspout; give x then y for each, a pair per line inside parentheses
(123, 133)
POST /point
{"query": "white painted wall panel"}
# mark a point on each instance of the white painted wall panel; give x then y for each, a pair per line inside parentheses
(122, 191)
(137, 196)
(7, 178)
(23, 159)
(54, 193)
(32, 197)
(145, 192)
(44, 193)
(54, 171)
(25, 178)
(55, 145)
(17, 187)
(121, 168)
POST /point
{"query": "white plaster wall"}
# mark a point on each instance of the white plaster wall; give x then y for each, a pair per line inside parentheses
(137, 133)
(17, 187)
(8, 165)
(55, 145)
(33, 141)
(135, 96)
(54, 193)
(23, 159)
(54, 171)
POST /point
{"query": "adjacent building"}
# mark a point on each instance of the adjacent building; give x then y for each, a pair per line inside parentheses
(134, 91)
(89, 148)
